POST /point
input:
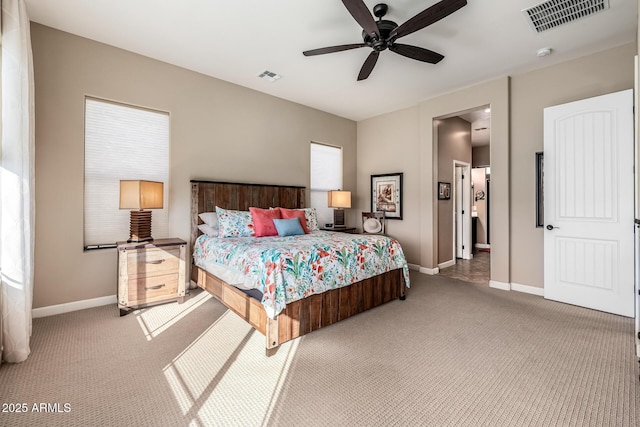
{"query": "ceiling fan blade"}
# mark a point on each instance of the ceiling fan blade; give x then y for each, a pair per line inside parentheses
(417, 53)
(368, 65)
(427, 17)
(361, 14)
(331, 49)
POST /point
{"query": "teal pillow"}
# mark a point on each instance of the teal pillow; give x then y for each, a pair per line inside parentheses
(288, 227)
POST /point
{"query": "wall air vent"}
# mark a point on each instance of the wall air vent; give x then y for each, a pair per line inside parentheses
(553, 13)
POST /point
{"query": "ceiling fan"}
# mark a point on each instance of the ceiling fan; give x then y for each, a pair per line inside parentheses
(383, 34)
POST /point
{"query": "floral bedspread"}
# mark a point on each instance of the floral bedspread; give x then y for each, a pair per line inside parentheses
(286, 269)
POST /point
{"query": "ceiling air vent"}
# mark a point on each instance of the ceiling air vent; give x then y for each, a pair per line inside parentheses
(269, 75)
(553, 13)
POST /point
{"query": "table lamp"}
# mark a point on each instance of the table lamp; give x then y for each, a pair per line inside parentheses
(140, 196)
(339, 200)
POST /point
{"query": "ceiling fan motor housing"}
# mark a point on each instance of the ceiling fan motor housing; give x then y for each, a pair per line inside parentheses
(385, 27)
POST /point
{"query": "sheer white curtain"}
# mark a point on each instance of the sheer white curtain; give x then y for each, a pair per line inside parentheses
(17, 208)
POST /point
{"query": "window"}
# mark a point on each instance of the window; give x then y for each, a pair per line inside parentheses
(326, 174)
(121, 142)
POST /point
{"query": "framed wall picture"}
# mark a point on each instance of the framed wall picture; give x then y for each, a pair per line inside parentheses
(444, 190)
(386, 194)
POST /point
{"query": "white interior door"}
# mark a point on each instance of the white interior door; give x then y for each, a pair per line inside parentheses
(589, 203)
(462, 210)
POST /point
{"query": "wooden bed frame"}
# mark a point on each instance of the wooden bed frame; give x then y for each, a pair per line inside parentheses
(299, 317)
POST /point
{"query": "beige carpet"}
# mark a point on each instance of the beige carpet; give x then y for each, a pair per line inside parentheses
(452, 354)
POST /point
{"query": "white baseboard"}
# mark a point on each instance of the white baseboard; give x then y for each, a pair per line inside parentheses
(483, 246)
(534, 290)
(414, 267)
(73, 306)
(429, 271)
(446, 264)
(499, 285)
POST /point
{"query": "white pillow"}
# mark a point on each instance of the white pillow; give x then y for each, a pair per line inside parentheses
(208, 230)
(209, 218)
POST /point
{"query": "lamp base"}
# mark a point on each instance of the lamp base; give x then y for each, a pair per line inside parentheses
(338, 218)
(140, 227)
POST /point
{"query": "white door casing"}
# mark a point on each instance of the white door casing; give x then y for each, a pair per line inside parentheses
(589, 203)
(636, 76)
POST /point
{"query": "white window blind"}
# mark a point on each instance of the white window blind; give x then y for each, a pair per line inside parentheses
(121, 142)
(326, 174)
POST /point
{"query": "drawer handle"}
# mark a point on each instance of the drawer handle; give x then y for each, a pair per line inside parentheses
(158, 261)
(149, 288)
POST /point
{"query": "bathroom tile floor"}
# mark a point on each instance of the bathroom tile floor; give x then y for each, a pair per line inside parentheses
(475, 270)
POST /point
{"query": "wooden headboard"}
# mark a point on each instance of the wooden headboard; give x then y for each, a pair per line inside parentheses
(206, 195)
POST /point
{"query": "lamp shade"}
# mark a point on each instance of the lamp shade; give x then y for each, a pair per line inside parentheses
(137, 194)
(339, 199)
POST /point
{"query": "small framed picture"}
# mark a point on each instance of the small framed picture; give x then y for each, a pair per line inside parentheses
(386, 194)
(444, 190)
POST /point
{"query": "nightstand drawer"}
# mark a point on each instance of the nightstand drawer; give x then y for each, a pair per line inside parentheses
(152, 289)
(152, 262)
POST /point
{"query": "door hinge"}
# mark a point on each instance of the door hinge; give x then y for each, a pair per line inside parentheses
(462, 247)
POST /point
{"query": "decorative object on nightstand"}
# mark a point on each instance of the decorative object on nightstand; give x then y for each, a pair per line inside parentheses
(373, 222)
(150, 273)
(339, 200)
(141, 195)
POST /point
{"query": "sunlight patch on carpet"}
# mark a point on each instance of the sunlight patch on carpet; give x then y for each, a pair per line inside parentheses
(162, 317)
(225, 372)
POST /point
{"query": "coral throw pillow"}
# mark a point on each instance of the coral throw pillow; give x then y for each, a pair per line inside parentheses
(263, 221)
(295, 213)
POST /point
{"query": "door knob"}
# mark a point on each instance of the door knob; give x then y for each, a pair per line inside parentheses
(551, 227)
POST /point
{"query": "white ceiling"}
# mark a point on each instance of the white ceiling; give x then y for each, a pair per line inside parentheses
(237, 40)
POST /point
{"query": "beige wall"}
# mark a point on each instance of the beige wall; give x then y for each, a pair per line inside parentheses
(594, 75)
(219, 131)
(517, 105)
(389, 144)
(482, 156)
(495, 94)
(411, 132)
(454, 143)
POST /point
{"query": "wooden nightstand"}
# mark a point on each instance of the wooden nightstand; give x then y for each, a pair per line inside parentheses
(350, 230)
(150, 273)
